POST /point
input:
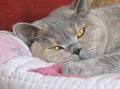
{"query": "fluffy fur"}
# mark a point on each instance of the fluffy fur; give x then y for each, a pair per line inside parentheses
(96, 52)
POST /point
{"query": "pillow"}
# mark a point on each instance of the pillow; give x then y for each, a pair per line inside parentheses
(11, 47)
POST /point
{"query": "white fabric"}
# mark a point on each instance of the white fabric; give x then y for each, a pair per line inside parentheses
(14, 75)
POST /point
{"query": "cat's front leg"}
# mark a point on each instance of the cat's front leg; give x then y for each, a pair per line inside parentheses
(84, 67)
(95, 66)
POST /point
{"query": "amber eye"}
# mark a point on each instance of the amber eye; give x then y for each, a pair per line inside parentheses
(56, 48)
(81, 32)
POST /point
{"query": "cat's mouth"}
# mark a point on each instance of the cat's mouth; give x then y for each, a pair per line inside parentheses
(74, 58)
(66, 60)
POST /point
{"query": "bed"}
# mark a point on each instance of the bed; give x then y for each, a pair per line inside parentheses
(15, 74)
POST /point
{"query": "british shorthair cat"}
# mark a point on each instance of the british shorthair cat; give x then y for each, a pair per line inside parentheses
(86, 40)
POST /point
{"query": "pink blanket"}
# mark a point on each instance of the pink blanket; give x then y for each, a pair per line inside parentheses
(54, 70)
(11, 47)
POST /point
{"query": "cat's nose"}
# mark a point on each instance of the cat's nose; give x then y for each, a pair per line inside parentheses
(77, 51)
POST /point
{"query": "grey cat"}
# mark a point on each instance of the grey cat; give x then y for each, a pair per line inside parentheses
(86, 40)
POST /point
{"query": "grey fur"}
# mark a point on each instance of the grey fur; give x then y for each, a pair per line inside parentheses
(99, 47)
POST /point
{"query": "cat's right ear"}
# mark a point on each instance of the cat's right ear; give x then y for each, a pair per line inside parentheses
(25, 32)
(81, 7)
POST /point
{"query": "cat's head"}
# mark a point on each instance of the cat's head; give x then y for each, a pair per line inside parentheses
(68, 33)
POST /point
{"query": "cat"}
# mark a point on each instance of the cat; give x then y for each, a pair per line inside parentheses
(86, 40)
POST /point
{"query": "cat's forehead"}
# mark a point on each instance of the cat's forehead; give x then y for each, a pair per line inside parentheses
(60, 28)
(56, 35)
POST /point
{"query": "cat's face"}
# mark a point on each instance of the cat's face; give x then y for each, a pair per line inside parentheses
(64, 35)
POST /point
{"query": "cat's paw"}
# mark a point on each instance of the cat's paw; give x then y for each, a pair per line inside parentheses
(82, 68)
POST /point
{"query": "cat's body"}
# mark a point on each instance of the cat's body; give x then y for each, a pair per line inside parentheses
(58, 38)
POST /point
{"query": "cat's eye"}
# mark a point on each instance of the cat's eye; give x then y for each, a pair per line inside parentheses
(81, 32)
(56, 48)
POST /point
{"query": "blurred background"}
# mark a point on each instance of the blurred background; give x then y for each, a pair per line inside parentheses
(13, 11)
(100, 3)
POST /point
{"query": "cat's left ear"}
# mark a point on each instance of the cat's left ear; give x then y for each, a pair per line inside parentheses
(81, 7)
(25, 31)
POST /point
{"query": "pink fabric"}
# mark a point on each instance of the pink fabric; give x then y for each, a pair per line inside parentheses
(118, 77)
(54, 70)
(11, 47)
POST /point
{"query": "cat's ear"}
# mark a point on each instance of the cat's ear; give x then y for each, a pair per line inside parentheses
(81, 7)
(25, 31)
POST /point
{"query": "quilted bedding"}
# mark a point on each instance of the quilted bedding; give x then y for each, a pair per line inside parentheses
(15, 74)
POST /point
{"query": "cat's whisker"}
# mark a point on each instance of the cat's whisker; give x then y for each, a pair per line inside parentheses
(75, 33)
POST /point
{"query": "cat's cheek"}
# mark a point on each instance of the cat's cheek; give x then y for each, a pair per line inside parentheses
(53, 56)
(38, 50)
(58, 56)
(48, 54)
